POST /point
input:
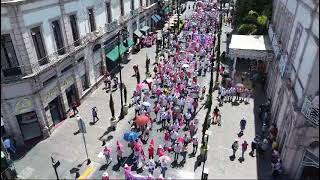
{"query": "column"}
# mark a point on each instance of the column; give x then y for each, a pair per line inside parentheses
(88, 58)
(22, 41)
(66, 29)
(234, 67)
(11, 124)
(41, 114)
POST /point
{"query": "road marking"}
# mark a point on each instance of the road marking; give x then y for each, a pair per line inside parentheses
(86, 173)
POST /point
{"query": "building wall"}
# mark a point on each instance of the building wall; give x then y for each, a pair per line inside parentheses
(293, 77)
(31, 94)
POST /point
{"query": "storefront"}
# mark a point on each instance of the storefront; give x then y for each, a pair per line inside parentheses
(97, 59)
(112, 51)
(27, 119)
(55, 107)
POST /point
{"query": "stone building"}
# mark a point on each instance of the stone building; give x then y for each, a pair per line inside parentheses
(293, 84)
(54, 52)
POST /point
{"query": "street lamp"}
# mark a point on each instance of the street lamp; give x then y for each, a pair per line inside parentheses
(55, 165)
(218, 45)
(120, 32)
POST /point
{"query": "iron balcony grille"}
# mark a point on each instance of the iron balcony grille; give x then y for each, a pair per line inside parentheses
(310, 111)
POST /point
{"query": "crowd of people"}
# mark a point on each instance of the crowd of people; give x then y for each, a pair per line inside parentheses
(170, 97)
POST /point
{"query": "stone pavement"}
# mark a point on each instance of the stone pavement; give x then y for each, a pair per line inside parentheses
(69, 148)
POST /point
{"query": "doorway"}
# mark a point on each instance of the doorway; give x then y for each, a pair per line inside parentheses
(310, 173)
(71, 94)
(55, 107)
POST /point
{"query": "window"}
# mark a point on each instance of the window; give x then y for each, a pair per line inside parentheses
(147, 3)
(38, 45)
(108, 9)
(49, 80)
(295, 42)
(74, 29)
(121, 8)
(84, 82)
(58, 36)
(141, 4)
(66, 68)
(91, 20)
(9, 61)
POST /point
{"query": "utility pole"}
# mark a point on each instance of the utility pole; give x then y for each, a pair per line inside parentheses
(218, 45)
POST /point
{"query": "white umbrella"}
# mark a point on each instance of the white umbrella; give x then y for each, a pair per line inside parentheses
(149, 80)
(146, 104)
(185, 65)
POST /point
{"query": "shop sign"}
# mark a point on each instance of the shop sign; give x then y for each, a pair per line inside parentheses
(67, 82)
(23, 105)
(52, 93)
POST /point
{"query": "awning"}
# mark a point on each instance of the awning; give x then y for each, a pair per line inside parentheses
(113, 55)
(145, 28)
(157, 16)
(153, 17)
(138, 33)
(130, 43)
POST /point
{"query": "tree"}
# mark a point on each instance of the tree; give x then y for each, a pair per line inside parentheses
(247, 29)
(111, 105)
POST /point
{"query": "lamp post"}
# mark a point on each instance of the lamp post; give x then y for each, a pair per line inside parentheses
(178, 9)
(218, 45)
(120, 32)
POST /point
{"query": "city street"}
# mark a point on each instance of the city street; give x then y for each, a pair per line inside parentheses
(69, 149)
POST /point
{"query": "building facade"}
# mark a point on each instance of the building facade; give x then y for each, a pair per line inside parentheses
(54, 53)
(293, 84)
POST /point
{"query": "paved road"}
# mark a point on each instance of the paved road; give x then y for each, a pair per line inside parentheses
(69, 149)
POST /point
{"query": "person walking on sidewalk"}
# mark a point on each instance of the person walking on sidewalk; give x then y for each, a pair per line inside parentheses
(74, 108)
(119, 151)
(195, 144)
(107, 154)
(147, 64)
(138, 77)
(243, 123)
(253, 147)
(234, 147)
(244, 147)
(94, 114)
(215, 115)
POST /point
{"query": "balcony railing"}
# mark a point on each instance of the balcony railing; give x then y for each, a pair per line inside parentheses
(311, 111)
(111, 26)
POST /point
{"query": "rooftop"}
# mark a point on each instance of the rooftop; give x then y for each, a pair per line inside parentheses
(250, 42)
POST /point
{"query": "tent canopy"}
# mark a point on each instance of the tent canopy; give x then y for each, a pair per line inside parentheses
(250, 47)
(138, 33)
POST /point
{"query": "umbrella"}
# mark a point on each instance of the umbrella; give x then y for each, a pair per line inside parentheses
(139, 86)
(142, 120)
(149, 80)
(130, 136)
(185, 65)
(164, 159)
(239, 85)
(146, 103)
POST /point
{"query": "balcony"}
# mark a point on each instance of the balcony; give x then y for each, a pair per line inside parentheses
(111, 26)
(310, 109)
